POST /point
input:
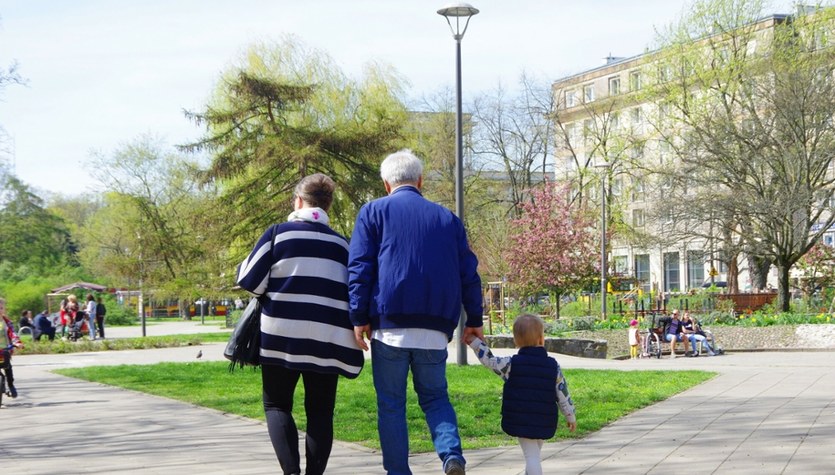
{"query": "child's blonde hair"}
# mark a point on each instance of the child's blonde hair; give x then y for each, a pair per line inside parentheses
(528, 330)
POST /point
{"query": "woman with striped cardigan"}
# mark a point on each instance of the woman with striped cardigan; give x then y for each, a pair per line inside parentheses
(299, 271)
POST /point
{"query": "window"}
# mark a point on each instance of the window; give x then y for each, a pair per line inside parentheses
(665, 152)
(637, 189)
(642, 273)
(635, 80)
(695, 269)
(619, 264)
(672, 280)
(588, 131)
(665, 72)
(664, 111)
(570, 98)
(637, 218)
(614, 122)
(570, 134)
(617, 186)
(588, 93)
(751, 48)
(636, 119)
(636, 152)
(723, 55)
(614, 86)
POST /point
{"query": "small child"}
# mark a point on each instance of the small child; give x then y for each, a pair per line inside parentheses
(634, 339)
(532, 392)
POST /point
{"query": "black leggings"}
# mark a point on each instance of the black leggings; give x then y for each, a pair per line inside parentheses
(6, 366)
(279, 384)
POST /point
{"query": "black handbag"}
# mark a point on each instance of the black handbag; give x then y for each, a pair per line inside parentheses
(244, 344)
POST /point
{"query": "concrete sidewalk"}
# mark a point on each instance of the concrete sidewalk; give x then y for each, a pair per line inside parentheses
(765, 413)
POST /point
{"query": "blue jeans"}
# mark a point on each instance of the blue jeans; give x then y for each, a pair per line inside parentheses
(390, 366)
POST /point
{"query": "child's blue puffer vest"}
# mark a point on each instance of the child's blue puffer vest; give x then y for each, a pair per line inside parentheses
(529, 403)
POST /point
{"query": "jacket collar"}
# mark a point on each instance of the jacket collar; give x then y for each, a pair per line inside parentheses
(411, 188)
(533, 350)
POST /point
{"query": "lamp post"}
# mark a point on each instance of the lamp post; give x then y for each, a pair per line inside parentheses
(604, 169)
(141, 299)
(458, 13)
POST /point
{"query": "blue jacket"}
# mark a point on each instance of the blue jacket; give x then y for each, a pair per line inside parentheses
(410, 266)
(529, 400)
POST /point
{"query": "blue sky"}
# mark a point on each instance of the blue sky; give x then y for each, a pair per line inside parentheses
(103, 72)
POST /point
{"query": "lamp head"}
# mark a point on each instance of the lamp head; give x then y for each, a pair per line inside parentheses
(458, 11)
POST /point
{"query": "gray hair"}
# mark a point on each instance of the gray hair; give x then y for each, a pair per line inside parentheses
(401, 167)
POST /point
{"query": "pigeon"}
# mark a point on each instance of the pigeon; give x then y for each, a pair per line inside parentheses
(199, 354)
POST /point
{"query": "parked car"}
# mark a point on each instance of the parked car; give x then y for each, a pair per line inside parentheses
(720, 284)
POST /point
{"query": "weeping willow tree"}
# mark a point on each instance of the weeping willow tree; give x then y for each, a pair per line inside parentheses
(283, 112)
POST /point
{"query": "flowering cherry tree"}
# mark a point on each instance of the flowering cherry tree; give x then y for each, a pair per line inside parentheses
(817, 267)
(552, 245)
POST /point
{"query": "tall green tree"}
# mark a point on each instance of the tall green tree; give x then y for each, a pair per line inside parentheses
(286, 111)
(750, 101)
(29, 234)
(151, 225)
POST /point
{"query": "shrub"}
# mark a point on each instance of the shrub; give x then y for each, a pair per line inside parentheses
(117, 314)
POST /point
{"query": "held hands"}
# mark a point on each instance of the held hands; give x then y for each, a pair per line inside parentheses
(471, 333)
(360, 335)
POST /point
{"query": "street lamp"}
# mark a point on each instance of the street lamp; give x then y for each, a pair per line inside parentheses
(459, 12)
(604, 169)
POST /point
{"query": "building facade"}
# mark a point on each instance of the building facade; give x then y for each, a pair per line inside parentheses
(610, 127)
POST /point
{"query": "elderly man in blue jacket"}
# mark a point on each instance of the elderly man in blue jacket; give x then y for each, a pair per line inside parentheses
(410, 270)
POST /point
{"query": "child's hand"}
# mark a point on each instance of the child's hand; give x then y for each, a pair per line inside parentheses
(572, 426)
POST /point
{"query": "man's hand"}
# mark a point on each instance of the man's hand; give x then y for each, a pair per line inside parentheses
(472, 332)
(572, 426)
(360, 334)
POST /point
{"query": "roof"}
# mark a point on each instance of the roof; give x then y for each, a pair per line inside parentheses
(79, 285)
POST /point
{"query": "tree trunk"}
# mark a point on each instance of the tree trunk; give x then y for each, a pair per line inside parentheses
(759, 267)
(733, 275)
(783, 287)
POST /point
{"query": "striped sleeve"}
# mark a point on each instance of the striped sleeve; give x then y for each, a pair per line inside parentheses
(254, 271)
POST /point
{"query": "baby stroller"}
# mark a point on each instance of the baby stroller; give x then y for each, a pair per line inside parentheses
(78, 326)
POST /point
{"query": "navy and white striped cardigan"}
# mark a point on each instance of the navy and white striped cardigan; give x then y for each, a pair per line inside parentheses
(300, 268)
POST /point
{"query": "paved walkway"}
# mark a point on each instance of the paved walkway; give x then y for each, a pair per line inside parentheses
(766, 413)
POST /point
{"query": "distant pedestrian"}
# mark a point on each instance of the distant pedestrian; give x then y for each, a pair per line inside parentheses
(26, 321)
(90, 310)
(43, 326)
(634, 340)
(8, 343)
(101, 312)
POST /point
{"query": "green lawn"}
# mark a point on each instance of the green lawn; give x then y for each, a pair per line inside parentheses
(600, 396)
(114, 344)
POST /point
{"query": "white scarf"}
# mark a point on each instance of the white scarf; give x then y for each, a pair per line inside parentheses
(311, 215)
